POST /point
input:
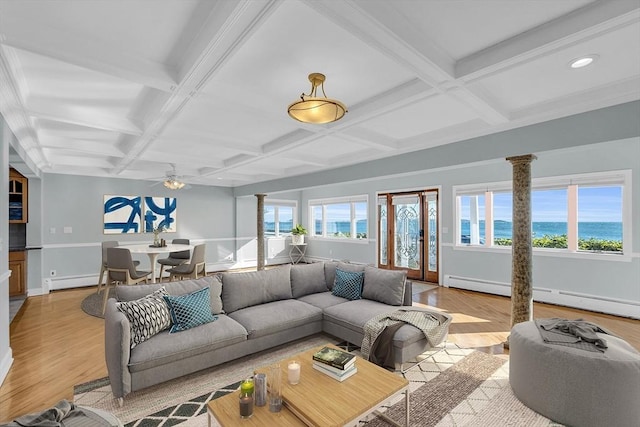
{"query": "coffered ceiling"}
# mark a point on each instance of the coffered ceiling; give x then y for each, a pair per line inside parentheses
(127, 88)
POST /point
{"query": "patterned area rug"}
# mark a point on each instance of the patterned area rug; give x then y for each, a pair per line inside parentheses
(452, 387)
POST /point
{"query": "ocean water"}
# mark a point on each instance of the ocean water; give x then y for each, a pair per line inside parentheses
(586, 230)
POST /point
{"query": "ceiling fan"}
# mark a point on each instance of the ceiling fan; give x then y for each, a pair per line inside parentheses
(172, 180)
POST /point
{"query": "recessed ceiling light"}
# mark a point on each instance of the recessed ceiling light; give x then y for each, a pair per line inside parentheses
(583, 61)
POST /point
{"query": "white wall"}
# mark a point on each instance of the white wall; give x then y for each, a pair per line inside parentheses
(6, 358)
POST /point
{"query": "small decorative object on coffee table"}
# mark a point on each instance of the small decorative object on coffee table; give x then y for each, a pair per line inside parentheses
(246, 398)
(293, 371)
(274, 386)
(334, 357)
(260, 394)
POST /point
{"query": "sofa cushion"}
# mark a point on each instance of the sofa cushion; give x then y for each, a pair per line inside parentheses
(266, 319)
(165, 348)
(354, 314)
(189, 310)
(385, 286)
(246, 289)
(129, 293)
(348, 284)
(330, 273)
(307, 279)
(147, 316)
(322, 300)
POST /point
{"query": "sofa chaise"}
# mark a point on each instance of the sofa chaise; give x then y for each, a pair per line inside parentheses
(253, 311)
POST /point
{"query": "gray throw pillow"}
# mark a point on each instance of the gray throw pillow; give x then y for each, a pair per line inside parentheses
(385, 286)
(246, 289)
(307, 279)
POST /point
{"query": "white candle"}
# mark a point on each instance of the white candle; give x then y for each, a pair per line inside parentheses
(294, 372)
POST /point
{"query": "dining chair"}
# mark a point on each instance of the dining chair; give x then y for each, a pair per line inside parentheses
(195, 267)
(121, 269)
(175, 258)
(103, 267)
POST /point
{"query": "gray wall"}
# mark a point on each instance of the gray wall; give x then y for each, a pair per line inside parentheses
(204, 215)
(601, 140)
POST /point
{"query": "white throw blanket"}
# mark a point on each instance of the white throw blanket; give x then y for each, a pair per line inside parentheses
(433, 324)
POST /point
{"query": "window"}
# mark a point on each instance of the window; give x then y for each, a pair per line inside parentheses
(279, 217)
(339, 218)
(582, 213)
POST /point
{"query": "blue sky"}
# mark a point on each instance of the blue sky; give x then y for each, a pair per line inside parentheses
(595, 204)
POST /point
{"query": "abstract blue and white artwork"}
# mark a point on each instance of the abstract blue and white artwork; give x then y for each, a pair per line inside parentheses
(122, 214)
(160, 212)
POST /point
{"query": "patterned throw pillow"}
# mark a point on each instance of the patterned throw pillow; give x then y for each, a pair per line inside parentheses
(147, 316)
(190, 310)
(348, 284)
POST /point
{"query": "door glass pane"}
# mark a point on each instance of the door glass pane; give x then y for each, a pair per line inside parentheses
(384, 230)
(432, 216)
(407, 234)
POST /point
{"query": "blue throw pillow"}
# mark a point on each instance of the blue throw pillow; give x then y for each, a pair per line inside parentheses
(348, 284)
(190, 310)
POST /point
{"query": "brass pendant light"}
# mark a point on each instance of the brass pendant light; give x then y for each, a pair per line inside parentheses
(314, 109)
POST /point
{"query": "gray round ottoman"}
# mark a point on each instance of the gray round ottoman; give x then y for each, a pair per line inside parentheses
(573, 386)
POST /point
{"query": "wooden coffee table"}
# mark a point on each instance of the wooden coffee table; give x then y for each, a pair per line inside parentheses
(321, 401)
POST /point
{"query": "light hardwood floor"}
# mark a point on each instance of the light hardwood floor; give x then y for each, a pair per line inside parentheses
(56, 345)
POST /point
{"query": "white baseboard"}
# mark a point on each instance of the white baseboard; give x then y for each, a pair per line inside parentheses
(595, 303)
(5, 364)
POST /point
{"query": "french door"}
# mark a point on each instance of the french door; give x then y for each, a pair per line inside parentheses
(408, 233)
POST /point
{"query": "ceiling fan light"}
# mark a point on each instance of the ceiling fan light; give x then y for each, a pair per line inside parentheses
(173, 184)
(317, 110)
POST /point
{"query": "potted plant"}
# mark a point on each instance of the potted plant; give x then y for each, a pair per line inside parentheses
(297, 234)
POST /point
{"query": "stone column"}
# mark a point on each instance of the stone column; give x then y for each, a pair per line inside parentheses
(521, 250)
(260, 242)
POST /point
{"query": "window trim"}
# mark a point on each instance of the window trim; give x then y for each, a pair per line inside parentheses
(361, 198)
(276, 203)
(616, 177)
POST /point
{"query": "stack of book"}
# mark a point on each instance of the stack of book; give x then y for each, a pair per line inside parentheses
(335, 363)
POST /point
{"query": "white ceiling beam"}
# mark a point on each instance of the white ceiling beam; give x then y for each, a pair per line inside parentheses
(369, 138)
(387, 33)
(595, 19)
(233, 24)
(210, 139)
(20, 131)
(84, 51)
(66, 113)
(80, 145)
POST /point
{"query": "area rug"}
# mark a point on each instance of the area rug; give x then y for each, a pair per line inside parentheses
(92, 304)
(452, 387)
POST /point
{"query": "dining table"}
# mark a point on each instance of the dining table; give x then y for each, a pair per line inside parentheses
(154, 251)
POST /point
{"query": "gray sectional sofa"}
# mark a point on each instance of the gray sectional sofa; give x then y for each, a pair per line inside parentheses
(255, 311)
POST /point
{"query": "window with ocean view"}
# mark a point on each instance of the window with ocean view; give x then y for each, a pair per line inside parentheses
(279, 217)
(579, 214)
(339, 218)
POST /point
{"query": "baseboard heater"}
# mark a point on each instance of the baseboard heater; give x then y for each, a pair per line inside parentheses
(596, 303)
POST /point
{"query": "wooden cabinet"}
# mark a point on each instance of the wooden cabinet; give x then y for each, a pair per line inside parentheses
(18, 279)
(18, 197)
